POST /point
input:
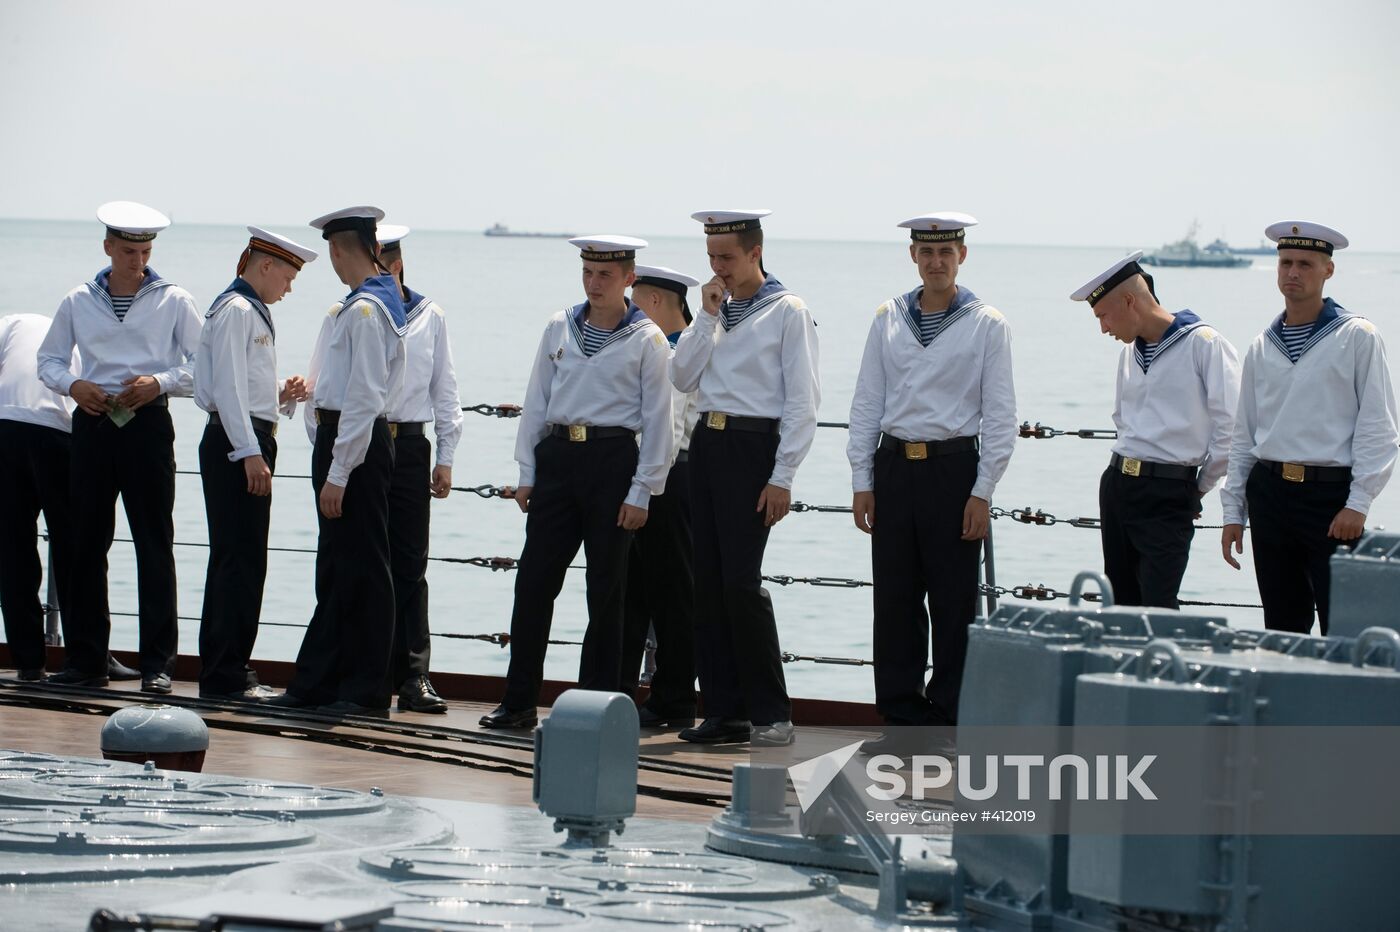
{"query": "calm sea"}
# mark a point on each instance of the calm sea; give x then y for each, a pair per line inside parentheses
(498, 293)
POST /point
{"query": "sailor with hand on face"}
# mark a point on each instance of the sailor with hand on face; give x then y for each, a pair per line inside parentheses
(137, 335)
(1174, 408)
(1315, 434)
(235, 381)
(935, 375)
(343, 664)
(752, 357)
(660, 569)
(599, 378)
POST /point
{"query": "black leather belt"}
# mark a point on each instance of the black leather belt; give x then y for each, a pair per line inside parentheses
(1297, 472)
(331, 418)
(682, 456)
(408, 428)
(923, 449)
(581, 432)
(267, 427)
(1145, 470)
(717, 420)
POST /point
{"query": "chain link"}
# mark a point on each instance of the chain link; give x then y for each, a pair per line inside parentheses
(488, 491)
(506, 410)
(1041, 432)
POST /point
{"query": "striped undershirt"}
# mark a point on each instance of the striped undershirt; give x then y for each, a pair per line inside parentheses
(1148, 351)
(1294, 337)
(735, 310)
(593, 338)
(121, 304)
(929, 325)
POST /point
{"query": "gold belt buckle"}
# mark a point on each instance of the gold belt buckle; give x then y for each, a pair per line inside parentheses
(578, 433)
(393, 431)
(1294, 472)
(915, 451)
(716, 420)
(1132, 467)
(318, 416)
(273, 431)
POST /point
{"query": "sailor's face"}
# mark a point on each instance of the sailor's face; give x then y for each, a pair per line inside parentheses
(938, 263)
(606, 282)
(727, 257)
(1115, 315)
(277, 281)
(1302, 274)
(128, 258)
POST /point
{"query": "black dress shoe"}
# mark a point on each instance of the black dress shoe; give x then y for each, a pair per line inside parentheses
(71, 677)
(417, 695)
(501, 717)
(32, 676)
(346, 707)
(116, 670)
(647, 718)
(289, 700)
(718, 731)
(155, 683)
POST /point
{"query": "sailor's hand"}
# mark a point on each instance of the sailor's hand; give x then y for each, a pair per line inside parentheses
(140, 389)
(1200, 497)
(630, 517)
(442, 481)
(712, 295)
(977, 518)
(1232, 534)
(522, 497)
(89, 397)
(258, 475)
(774, 502)
(332, 500)
(294, 389)
(1348, 525)
(863, 509)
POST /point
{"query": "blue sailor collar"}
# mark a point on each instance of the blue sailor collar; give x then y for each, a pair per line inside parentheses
(674, 338)
(768, 292)
(414, 303)
(1333, 316)
(100, 285)
(240, 287)
(964, 302)
(631, 319)
(1183, 322)
(383, 290)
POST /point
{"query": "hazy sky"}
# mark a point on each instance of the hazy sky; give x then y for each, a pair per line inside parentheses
(1100, 123)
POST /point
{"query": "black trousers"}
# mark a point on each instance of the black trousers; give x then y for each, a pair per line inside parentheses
(346, 651)
(233, 583)
(1146, 528)
(136, 462)
(736, 635)
(1288, 524)
(661, 595)
(579, 489)
(409, 505)
(33, 478)
(917, 553)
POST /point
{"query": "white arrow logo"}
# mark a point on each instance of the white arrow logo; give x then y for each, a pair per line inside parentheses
(811, 777)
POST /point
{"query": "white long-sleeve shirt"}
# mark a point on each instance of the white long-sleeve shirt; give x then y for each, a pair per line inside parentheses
(158, 337)
(430, 380)
(1181, 409)
(235, 370)
(22, 396)
(1333, 407)
(623, 384)
(360, 373)
(959, 385)
(766, 366)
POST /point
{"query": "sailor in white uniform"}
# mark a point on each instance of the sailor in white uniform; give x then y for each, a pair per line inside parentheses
(343, 664)
(1174, 408)
(599, 378)
(429, 396)
(752, 357)
(235, 381)
(1315, 434)
(660, 568)
(935, 376)
(35, 424)
(137, 335)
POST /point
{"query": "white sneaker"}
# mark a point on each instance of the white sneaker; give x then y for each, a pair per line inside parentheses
(777, 735)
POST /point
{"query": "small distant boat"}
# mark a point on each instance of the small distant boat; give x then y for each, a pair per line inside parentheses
(1265, 248)
(1185, 253)
(500, 229)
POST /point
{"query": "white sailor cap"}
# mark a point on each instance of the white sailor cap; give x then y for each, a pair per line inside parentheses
(348, 218)
(1110, 278)
(391, 233)
(678, 283)
(265, 241)
(730, 221)
(1304, 234)
(939, 227)
(605, 247)
(131, 221)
